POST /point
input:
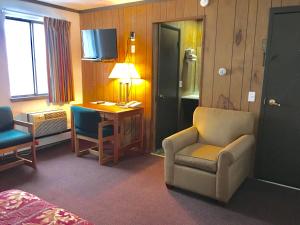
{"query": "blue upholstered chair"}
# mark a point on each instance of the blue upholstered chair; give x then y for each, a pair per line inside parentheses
(11, 139)
(88, 125)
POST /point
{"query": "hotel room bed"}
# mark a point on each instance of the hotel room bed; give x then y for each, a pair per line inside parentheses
(19, 207)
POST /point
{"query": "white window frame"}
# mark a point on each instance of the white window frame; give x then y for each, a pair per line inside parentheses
(35, 95)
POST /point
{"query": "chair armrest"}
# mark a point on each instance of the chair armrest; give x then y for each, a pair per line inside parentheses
(172, 145)
(233, 166)
(24, 124)
(178, 141)
(106, 123)
(238, 148)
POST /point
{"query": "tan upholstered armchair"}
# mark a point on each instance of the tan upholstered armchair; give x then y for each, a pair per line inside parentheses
(213, 157)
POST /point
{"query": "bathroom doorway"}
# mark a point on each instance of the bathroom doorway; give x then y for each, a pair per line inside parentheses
(177, 70)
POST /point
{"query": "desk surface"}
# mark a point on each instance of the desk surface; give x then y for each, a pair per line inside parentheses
(105, 108)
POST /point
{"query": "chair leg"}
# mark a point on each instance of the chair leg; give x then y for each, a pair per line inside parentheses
(76, 146)
(33, 153)
(101, 151)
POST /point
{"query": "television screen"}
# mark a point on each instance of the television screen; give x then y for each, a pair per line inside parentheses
(100, 44)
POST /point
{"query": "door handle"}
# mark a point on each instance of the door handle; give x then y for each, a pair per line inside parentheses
(272, 102)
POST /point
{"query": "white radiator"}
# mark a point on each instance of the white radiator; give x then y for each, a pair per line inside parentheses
(48, 122)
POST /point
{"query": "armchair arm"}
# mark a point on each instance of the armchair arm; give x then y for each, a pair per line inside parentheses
(177, 141)
(172, 145)
(233, 166)
(236, 149)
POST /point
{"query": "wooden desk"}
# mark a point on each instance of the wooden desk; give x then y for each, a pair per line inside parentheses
(117, 114)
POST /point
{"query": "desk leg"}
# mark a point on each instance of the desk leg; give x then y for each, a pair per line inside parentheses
(72, 132)
(142, 132)
(116, 139)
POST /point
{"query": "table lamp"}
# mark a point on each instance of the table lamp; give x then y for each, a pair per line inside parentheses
(125, 72)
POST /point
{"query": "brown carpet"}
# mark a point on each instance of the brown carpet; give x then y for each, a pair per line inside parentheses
(133, 192)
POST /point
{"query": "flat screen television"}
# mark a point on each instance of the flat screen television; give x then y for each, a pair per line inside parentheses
(99, 45)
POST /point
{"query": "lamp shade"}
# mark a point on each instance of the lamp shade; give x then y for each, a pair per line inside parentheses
(124, 71)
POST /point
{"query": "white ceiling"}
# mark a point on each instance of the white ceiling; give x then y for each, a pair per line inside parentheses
(87, 4)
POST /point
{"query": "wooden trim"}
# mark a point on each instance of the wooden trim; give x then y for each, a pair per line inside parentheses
(286, 9)
(141, 2)
(52, 5)
(202, 58)
(155, 30)
(197, 18)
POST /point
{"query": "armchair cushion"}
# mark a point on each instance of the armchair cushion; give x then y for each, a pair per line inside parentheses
(107, 131)
(199, 156)
(6, 118)
(14, 137)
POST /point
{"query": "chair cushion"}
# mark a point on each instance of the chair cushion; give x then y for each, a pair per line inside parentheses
(6, 118)
(107, 131)
(85, 119)
(221, 127)
(199, 156)
(14, 137)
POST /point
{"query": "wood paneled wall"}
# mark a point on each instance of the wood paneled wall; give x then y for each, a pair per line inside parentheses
(234, 34)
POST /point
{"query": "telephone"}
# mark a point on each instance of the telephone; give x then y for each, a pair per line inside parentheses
(132, 104)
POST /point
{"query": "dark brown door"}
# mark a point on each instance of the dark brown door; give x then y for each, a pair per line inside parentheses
(278, 153)
(168, 83)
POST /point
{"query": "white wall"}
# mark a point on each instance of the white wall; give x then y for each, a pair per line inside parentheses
(40, 105)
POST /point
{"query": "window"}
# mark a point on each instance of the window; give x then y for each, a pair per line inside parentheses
(26, 54)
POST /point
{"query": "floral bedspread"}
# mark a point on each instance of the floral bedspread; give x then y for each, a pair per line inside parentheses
(22, 208)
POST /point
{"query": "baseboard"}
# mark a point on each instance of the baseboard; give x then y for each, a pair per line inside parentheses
(161, 156)
(281, 185)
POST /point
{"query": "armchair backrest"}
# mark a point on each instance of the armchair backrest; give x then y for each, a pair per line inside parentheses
(6, 118)
(86, 119)
(220, 127)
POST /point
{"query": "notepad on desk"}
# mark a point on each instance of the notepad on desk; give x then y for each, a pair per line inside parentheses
(103, 103)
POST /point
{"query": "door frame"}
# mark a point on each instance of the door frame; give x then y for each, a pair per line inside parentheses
(155, 28)
(273, 12)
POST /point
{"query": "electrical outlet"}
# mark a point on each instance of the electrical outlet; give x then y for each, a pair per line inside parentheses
(132, 49)
(251, 96)
(180, 84)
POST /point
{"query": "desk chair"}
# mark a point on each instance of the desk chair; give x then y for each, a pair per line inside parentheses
(88, 125)
(12, 140)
